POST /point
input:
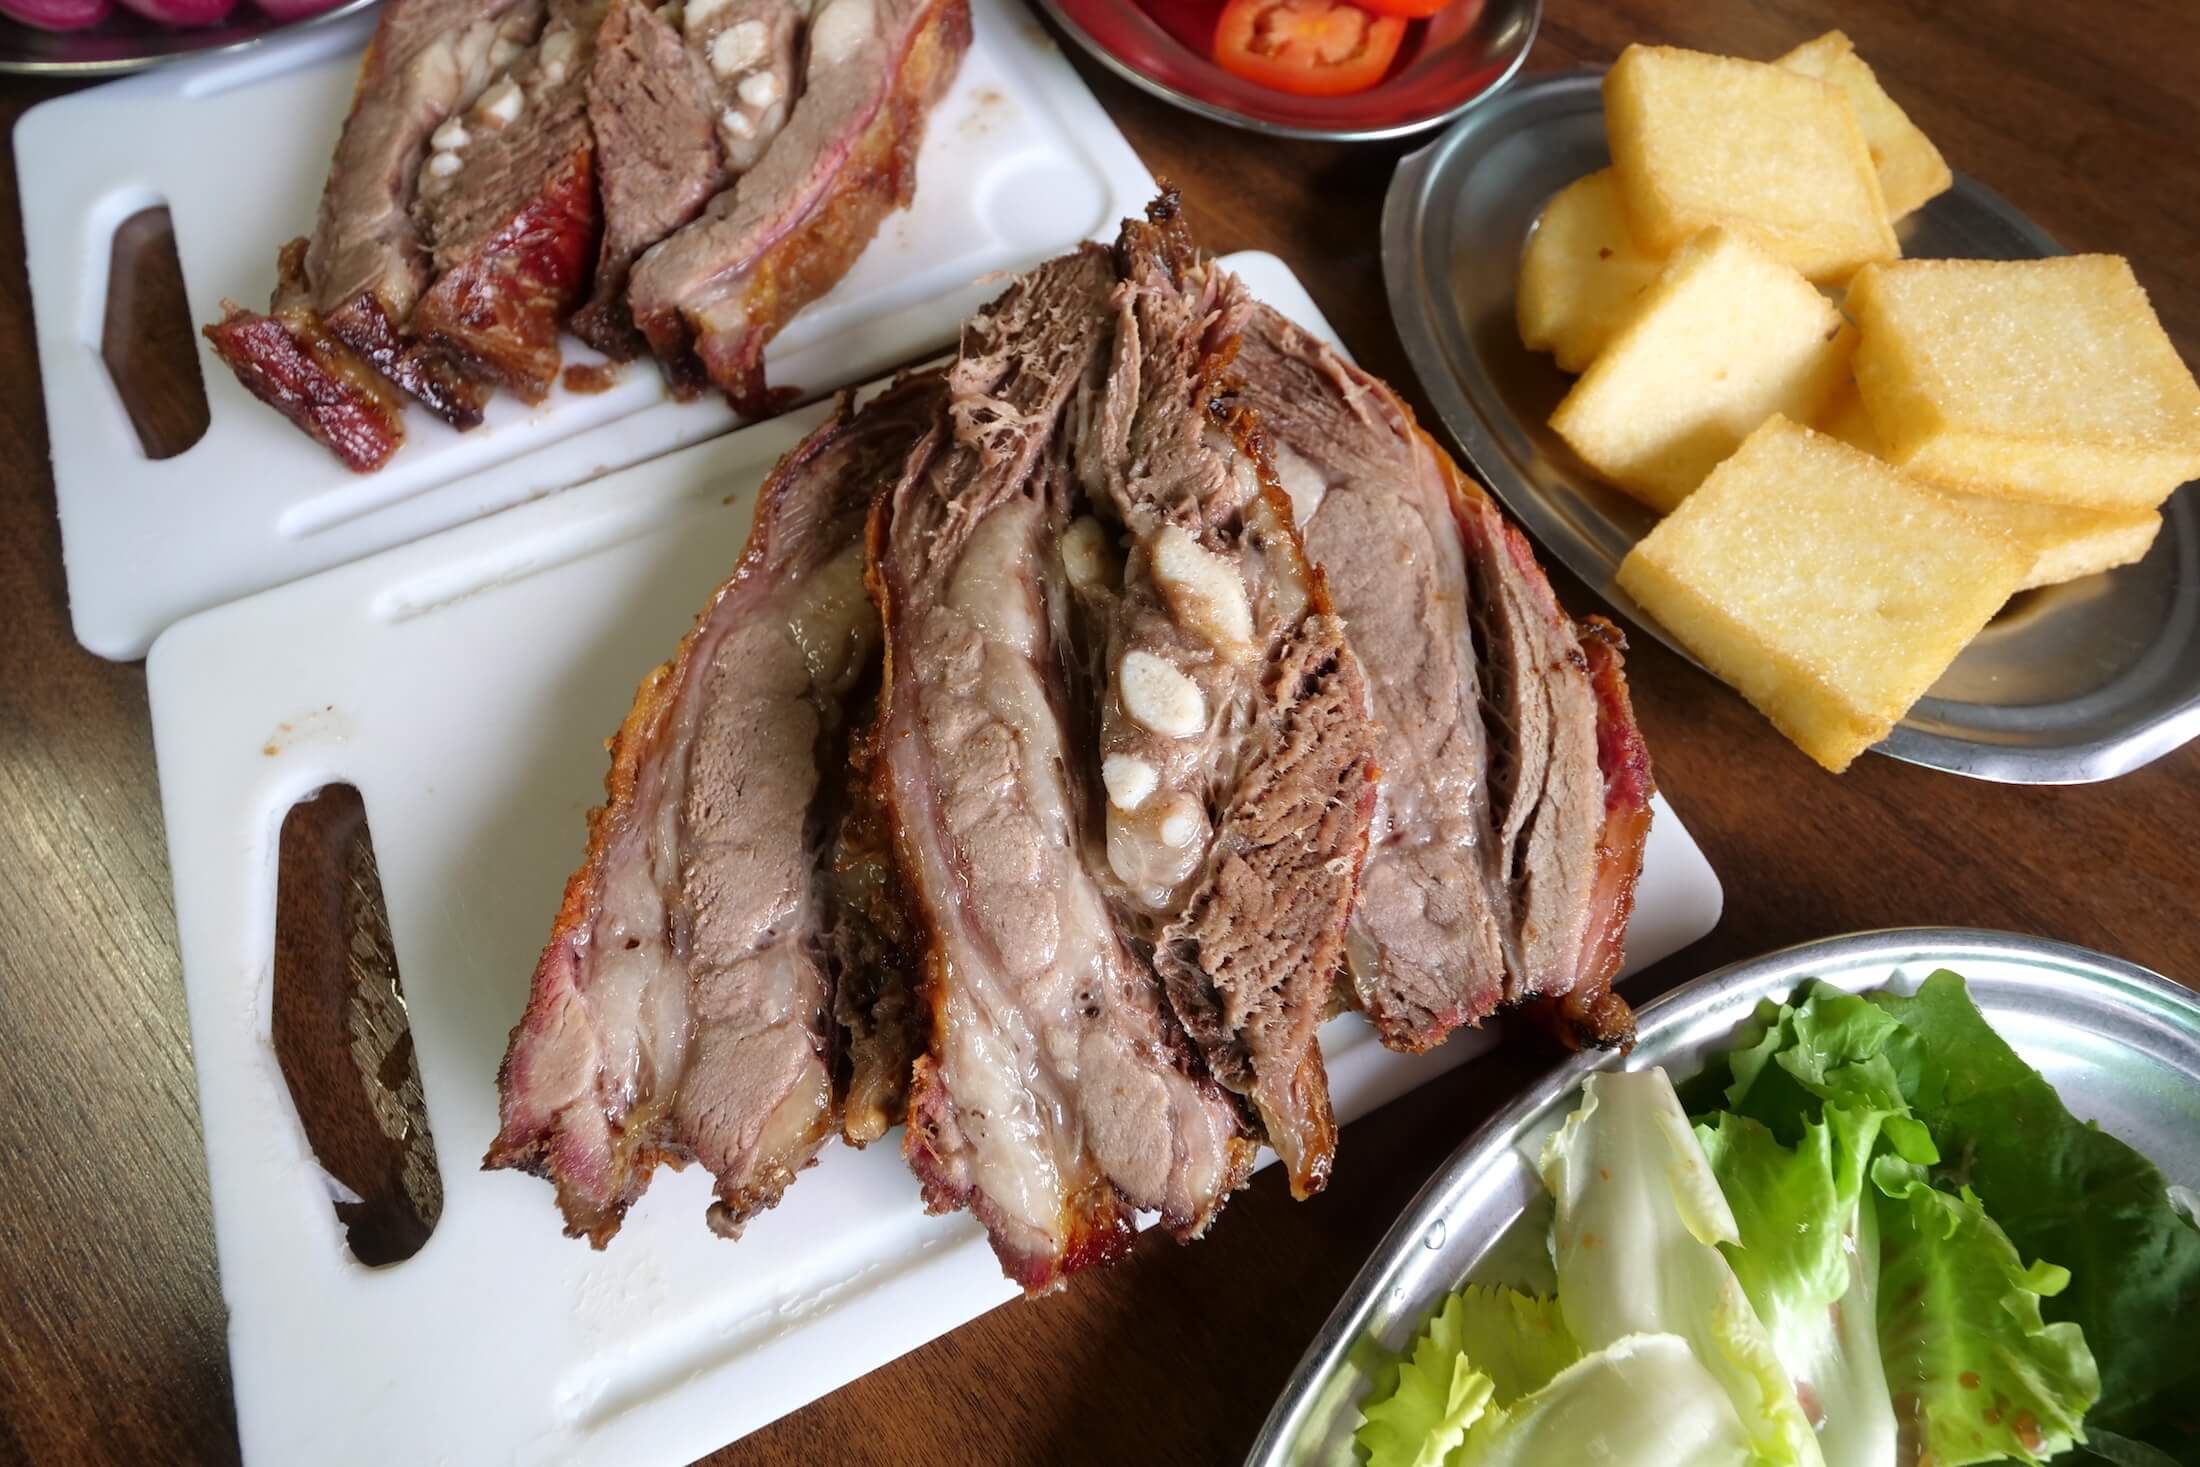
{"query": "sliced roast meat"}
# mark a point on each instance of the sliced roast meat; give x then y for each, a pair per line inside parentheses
(875, 953)
(682, 99)
(1430, 933)
(683, 1008)
(331, 336)
(1236, 748)
(1545, 786)
(749, 49)
(507, 203)
(1514, 787)
(1589, 1012)
(1056, 1096)
(713, 294)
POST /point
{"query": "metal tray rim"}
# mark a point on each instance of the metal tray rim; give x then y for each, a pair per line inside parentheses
(217, 45)
(1861, 960)
(2084, 762)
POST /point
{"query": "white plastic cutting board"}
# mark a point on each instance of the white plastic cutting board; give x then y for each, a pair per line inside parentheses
(464, 683)
(1018, 163)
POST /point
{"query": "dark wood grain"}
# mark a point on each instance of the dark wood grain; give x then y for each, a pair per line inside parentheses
(111, 1324)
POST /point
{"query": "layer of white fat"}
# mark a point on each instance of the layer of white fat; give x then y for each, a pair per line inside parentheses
(698, 14)
(502, 104)
(758, 89)
(839, 31)
(1129, 780)
(555, 61)
(1046, 1080)
(736, 125)
(450, 137)
(1302, 483)
(637, 988)
(740, 47)
(1088, 556)
(1159, 696)
(1203, 590)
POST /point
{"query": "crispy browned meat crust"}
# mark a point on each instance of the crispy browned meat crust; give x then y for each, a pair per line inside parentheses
(297, 364)
(496, 314)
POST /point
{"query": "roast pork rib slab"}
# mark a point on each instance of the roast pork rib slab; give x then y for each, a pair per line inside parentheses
(709, 297)
(1428, 939)
(1056, 1096)
(683, 1007)
(1516, 788)
(328, 346)
(1234, 730)
(1545, 786)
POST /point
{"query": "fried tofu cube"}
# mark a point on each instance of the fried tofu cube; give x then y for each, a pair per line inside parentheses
(1828, 589)
(2027, 379)
(1910, 168)
(1701, 140)
(2064, 542)
(1725, 338)
(1580, 272)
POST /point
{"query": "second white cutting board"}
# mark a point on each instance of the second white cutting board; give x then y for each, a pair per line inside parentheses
(464, 684)
(1018, 163)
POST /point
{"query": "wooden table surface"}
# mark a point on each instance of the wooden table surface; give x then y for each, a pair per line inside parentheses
(111, 1321)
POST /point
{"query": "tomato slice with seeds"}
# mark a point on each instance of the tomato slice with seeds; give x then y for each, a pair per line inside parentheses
(1310, 48)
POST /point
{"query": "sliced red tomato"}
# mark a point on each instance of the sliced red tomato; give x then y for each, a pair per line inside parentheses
(1311, 48)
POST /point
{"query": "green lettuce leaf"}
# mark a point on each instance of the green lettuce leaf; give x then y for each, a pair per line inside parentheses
(1641, 1401)
(1806, 1245)
(1979, 1375)
(1635, 1242)
(1831, 1049)
(1438, 1396)
(2063, 1189)
(1518, 1341)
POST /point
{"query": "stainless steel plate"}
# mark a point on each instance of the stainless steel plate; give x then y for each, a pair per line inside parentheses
(2071, 683)
(125, 42)
(2120, 1044)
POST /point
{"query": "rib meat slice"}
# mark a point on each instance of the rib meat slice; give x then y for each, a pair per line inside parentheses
(1515, 787)
(709, 297)
(1372, 495)
(681, 100)
(1056, 1096)
(507, 203)
(1545, 784)
(683, 1008)
(1589, 1012)
(874, 964)
(331, 334)
(1228, 689)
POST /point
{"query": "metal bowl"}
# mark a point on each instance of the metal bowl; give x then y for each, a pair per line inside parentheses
(2121, 1046)
(126, 42)
(2070, 683)
(1449, 62)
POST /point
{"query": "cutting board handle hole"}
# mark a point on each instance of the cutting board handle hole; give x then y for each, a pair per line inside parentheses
(145, 339)
(341, 1032)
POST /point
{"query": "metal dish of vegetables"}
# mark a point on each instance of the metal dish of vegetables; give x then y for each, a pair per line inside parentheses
(1916, 1198)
